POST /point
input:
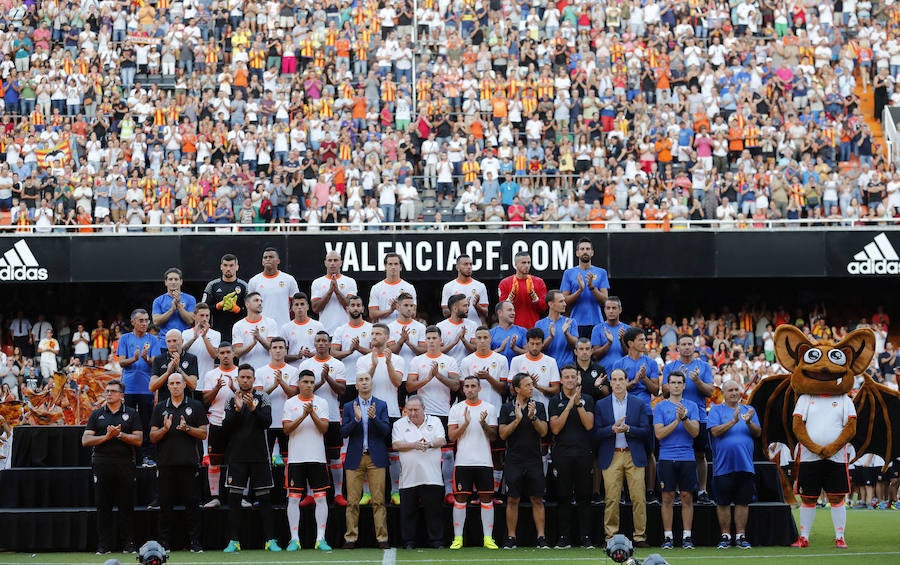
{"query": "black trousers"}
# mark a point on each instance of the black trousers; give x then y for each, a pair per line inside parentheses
(431, 496)
(114, 486)
(143, 403)
(574, 480)
(178, 484)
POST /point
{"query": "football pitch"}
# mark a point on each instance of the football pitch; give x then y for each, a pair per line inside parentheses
(873, 537)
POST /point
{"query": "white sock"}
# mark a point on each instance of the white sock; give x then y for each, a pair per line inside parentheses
(685, 534)
(487, 518)
(214, 473)
(667, 534)
(293, 515)
(337, 476)
(321, 515)
(498, 480)
(839, 519)
(366, 487)
(727, 536)
(394, 459)
(807, 516)
(459, 518)
(447, 461)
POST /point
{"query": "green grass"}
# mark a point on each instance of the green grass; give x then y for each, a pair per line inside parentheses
(872, 536)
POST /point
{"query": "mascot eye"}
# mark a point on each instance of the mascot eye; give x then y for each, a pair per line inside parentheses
(837, 357)
(812, 356)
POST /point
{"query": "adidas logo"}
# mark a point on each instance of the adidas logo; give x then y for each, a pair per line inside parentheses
(876, 258)
(19, 264)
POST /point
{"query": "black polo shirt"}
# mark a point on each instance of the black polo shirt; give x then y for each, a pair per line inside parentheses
(573, 440)
(188, 364)
(114, 450)
(215, 291)
(246, 430)
(588, 376)
(178, 447)
(524, 445)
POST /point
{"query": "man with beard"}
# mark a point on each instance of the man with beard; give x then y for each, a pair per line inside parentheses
(472, 289)
(407, 334)
(383, 297)
(606, 337)
(225, 296)
(586, 289)
(526, 291)
(330, 292)
(251, 335)
(276, 287)
(351, 340)
(507, 338)
(457, 331)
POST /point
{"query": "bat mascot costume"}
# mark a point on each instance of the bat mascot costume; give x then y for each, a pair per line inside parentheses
(810, 411)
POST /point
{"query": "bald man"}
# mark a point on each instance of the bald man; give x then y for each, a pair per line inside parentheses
(174, 360)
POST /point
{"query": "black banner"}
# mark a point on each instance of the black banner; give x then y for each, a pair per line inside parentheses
(431, 255)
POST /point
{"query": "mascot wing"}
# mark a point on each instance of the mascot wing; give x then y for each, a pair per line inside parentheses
(877, 421)
(773, 400)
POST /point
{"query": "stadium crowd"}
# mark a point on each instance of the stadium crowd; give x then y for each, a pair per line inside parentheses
(478, 399)
(131, 116)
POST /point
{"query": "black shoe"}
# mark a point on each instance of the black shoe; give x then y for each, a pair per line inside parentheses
(703, 498)
(153, 504)
(542, 543)
(587, 542)
(129, 548)
(350, 545)
(652, 498)
(381, 545)
(563, 543)
(510, 543)
(196, 547)
(597, 498)
(102, 551)
(409, 545)
(641, 544)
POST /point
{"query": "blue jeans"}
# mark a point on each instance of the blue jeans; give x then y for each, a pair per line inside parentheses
(388, 210)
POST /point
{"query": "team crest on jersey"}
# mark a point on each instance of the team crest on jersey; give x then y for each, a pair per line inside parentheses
(441, 365)
(363, 334)
(188, 410)
(124, 417)
(309, 331)
(494, 365)
(165, 413)
(281, 284)
(543, 368)
(594, 374)
(184, 364)
(102, 417)
(834, 404)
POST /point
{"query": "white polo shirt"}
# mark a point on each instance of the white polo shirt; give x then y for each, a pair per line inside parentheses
(419, 467)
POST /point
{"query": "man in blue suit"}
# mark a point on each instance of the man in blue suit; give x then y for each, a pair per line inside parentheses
(622, 428)
(365, 422)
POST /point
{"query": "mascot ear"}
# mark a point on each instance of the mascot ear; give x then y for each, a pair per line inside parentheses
(790, 343)
(859, 346)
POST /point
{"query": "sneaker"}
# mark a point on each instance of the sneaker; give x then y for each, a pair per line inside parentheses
(307, 501)
(277, 460)
(510, 543)
(153, 504)
(366, 498)
(687, 543)
(724, 543)
(840, 543)
(587, 542)
(293, 546)
(896, 505)
(449, 499)
(563, 543)
(542, 543)
(196, 548)
(703, 498)
(233, 547)
(322, 545)
(742, 543)
(147, 462)
(457, 542)
(246, 503)
(395, 498)
(339, 500)
(272, 545)
(129, 548)
(102, 551)
(500, 502)
(801, 542)
(597, 498)
(883, 505)
(489, 543)
(652, 498)
(213, 503)
(667, 544)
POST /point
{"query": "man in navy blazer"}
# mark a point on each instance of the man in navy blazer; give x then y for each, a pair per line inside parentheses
(365, 422)
(622, 428)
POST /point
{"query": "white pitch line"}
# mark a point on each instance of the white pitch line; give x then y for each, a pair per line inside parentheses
(390, 556)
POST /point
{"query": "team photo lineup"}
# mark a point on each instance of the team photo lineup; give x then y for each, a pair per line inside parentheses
(494, 397)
